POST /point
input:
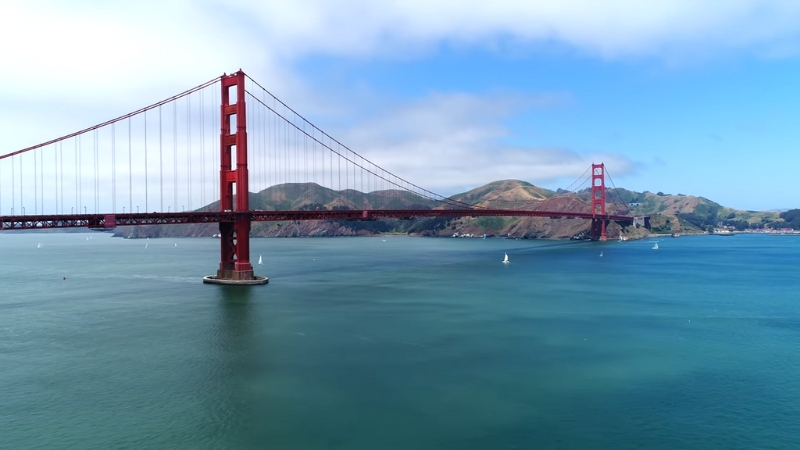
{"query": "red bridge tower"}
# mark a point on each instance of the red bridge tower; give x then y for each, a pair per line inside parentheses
(598, 201)
(234, 265)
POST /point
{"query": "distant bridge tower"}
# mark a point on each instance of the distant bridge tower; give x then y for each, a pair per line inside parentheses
(234, 265)
(599, 201)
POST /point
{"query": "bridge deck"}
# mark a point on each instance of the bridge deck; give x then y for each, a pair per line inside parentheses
(109, 221)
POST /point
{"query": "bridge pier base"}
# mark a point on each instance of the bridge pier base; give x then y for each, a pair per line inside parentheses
(599, 230)
(212, 279)
(234, 266)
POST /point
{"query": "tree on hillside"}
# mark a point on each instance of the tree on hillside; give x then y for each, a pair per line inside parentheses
(792, 218)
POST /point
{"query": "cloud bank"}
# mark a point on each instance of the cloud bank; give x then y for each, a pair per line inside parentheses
(72, 64)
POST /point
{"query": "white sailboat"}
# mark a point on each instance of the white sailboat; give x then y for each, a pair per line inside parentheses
(38, 245)
(655, 246)
(505, 260)
(259, 260)
(601, 254)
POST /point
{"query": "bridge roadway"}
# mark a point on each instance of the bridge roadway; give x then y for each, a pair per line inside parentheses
(109, 221)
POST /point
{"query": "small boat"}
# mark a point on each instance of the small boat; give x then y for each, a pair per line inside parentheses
(38, 245)
(655, 246)
(601, 254)
(259, 260)
(175, 244)
(505, 260)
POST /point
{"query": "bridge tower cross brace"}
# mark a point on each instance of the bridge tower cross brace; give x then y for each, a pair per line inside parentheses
(234, 236)
(599, 201)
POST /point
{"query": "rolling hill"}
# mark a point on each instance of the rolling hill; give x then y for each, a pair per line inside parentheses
(669, 213)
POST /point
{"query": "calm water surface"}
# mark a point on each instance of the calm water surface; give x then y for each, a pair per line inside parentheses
(397, 343)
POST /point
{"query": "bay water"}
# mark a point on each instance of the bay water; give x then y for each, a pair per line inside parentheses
(398, 342)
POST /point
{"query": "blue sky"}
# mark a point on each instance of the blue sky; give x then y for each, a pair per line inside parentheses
(697, 98)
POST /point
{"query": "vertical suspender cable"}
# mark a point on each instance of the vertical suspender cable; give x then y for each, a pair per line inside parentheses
(189, 147)
(41, 179)
(94, 169)
(266, 140)
(215, 186)
(160, 161)
(96, 174)
(287, 152)
(273, 153)
(296, 152)
(305, 154)
(175, 154)
(13, 187)
(75, 140)
(35, 184)
(113, 168)
(21, 186)
(313, 155)
(130, 170)
(361, 172)
(55, 169)
(61, 158)
(93, 178)
(146, 196)
(258, 165)
(79, 171)
(202, 153)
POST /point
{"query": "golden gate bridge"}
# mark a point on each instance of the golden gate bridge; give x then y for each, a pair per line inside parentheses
(167, 164)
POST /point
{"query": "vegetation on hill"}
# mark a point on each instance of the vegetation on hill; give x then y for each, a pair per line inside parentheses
(680, 213)
(791, 218)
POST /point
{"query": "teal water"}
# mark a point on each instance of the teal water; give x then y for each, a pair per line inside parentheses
(397, 342)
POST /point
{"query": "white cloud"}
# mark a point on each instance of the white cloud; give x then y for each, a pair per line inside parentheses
(97, 49)
(67, 65)
(611, 29)
(454, 141)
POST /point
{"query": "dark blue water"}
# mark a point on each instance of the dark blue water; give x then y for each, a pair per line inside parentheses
(396, 343)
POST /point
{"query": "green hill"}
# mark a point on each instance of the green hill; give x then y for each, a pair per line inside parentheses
(669, 213)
